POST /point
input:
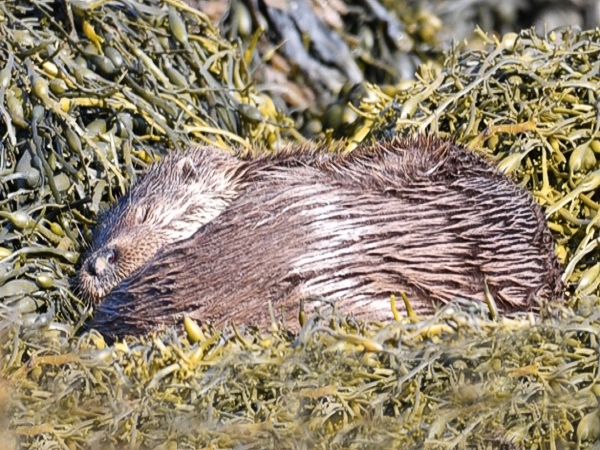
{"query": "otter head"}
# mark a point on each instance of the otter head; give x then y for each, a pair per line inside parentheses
(116, 253)
(179, 195)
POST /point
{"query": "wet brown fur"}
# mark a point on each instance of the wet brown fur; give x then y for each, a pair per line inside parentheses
(420, 216)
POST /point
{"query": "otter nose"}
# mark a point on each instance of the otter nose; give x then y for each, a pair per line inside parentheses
(100, 263)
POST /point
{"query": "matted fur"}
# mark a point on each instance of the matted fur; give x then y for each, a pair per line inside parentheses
(420, 216)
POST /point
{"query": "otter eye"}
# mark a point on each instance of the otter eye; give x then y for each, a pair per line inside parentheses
(141, 215)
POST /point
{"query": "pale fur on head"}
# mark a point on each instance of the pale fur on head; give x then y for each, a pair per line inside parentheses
(172, 201)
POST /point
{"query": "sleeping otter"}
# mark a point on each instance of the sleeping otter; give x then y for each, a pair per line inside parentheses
(420, 216)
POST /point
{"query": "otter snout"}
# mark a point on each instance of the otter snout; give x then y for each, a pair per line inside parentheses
(100, 264)
(99, 274)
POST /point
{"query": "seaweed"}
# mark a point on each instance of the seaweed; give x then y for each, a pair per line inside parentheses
(91, 95)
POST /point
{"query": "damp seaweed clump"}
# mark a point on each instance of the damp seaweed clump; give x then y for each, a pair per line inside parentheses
(456, 379)
(312, 56)
(78, 133)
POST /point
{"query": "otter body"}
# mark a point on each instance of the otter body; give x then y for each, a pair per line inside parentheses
(422, 217)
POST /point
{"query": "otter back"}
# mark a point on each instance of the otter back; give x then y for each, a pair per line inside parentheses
(422, 217)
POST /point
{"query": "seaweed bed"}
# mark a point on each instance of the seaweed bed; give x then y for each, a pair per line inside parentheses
(91, 95)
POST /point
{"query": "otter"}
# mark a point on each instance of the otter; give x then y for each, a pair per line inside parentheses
(420, 216)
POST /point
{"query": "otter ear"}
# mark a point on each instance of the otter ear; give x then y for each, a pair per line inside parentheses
(186, 167)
